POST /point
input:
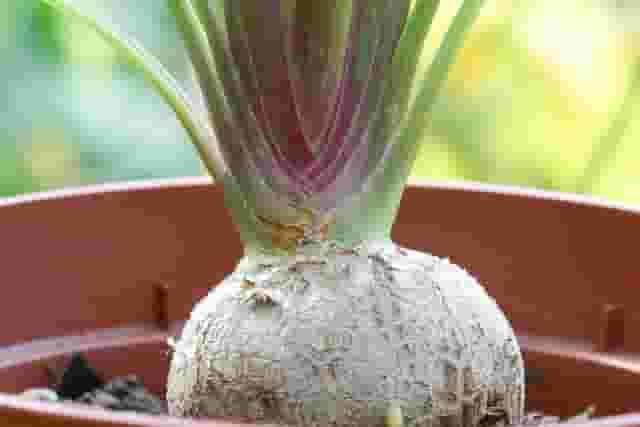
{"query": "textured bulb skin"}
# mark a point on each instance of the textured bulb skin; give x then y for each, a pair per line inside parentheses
(335, 336)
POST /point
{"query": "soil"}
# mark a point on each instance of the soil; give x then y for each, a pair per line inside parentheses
(79, 383)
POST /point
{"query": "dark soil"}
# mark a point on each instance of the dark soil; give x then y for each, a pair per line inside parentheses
(79, 383)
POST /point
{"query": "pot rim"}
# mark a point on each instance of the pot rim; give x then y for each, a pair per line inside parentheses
(199, 181)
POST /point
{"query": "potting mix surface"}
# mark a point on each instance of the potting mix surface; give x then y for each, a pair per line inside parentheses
(80, 383)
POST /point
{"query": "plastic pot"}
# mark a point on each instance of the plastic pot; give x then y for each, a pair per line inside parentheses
(112, 271)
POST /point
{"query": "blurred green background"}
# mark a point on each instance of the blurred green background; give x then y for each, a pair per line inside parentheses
(542, 96)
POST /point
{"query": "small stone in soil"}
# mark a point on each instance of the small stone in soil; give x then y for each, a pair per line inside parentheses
(77, 379)
(125, 394)
(41, 394)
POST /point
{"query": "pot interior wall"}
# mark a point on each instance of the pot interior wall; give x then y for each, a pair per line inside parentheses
(115, 269)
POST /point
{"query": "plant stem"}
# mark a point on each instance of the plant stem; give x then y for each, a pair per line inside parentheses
(161, 80)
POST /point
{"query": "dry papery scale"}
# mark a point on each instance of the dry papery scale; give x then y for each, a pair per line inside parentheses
(314, 114)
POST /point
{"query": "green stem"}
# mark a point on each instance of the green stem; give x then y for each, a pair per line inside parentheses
(161, 80)
(195, 37)
(407, 56)
(378, 205)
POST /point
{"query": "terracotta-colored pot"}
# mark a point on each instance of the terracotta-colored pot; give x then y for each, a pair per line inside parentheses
(112, 271)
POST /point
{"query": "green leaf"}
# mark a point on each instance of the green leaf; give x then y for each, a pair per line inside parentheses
(402, 76)
(162, 81)
(250, 145)
(197, 43)
(429, 88)
(232, 118)
(406, 141)
(214, 9)
(317, 62)
(410, 48)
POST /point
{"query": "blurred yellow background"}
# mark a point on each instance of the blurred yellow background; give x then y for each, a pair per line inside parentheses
(543, 95)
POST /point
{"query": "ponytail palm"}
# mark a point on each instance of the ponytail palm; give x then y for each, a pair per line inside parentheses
(317, 108)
